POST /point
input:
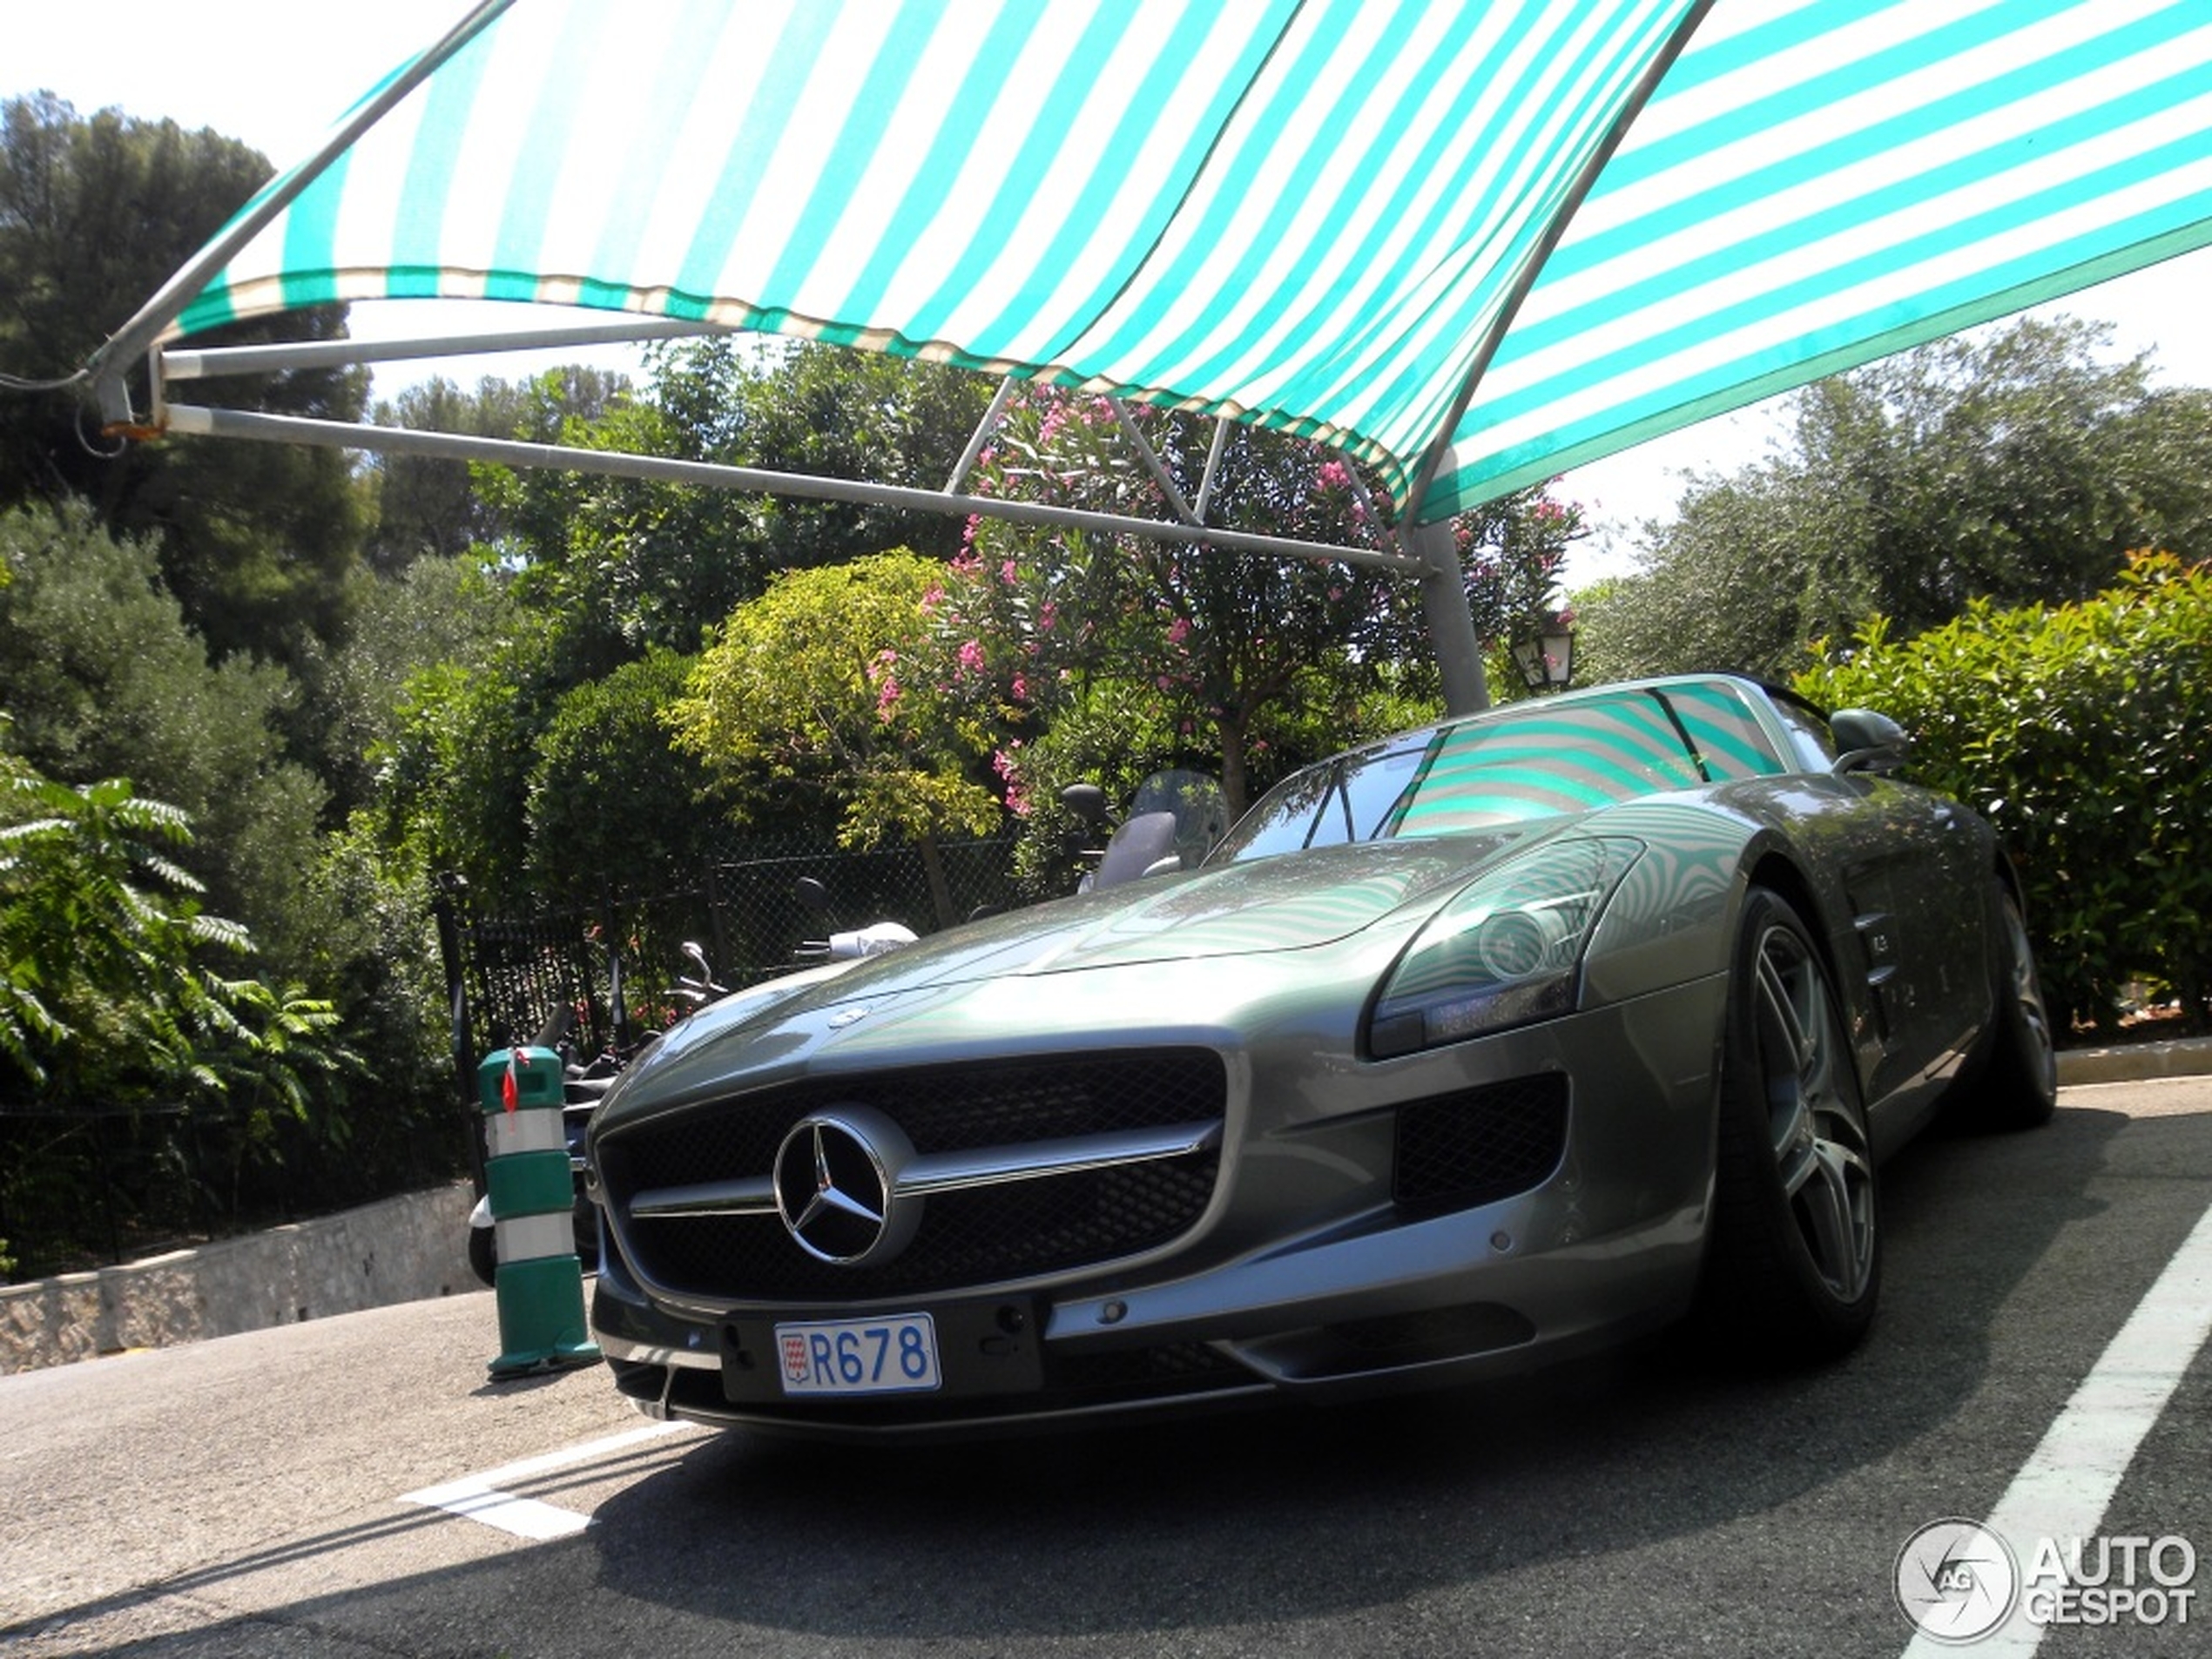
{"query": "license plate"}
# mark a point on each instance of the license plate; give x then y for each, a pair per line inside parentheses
(893, 1355)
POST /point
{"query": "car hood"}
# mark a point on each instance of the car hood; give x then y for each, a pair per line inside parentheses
(1295, 902)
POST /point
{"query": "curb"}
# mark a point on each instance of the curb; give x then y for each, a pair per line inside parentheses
(2129, 1062)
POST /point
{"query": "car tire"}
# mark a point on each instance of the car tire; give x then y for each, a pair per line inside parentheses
(2019, 1085)
(1793, 1267)
(483, 1255)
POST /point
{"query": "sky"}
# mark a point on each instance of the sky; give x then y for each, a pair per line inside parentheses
(258, 72)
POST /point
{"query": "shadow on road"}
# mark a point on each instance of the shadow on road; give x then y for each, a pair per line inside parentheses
(1228, 1533)
(1299, 1513)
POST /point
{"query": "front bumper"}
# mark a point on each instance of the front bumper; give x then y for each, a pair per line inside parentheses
(1316, 1271)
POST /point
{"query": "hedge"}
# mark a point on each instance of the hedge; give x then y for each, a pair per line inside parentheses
(2083, 732)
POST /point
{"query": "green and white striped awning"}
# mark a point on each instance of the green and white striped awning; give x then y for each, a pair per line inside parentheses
(1497, 237)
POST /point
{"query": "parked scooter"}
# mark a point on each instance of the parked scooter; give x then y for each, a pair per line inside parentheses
(1172, 821)
(871, 940)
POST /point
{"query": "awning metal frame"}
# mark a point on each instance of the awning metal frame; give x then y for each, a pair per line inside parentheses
(1426, 553)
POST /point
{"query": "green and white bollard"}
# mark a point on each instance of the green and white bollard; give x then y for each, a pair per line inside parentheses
(539, 1283)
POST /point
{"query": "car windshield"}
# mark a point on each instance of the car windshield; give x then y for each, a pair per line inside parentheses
(1536, 760)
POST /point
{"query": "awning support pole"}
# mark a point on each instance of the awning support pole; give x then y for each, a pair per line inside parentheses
(981, 435)
(1153, 464)
(185, 420)
(1451, 621)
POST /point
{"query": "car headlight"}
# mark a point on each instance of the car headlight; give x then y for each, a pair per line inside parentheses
(1507, 950)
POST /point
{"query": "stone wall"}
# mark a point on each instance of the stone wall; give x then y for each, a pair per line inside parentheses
(403, 1250)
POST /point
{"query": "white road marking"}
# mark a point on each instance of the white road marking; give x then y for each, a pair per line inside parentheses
(2067, 1484)
(481, 1497)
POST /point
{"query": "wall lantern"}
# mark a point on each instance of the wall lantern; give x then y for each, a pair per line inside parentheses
(1546, 655)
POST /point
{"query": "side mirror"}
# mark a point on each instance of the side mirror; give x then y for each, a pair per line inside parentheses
(1086, 801)
(1868, 741)
(812, 894)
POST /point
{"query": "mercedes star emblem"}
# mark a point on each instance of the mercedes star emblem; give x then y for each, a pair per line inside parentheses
(837, 1179)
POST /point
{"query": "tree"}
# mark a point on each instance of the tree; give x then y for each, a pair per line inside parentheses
(105, 679)
(1257, 663)
(433, 610)
(257, 541)
(613, 802)
(614, 565)
(2011, 465)
(427, 507)
(835, 413)
(807, 690)
(115, 1000)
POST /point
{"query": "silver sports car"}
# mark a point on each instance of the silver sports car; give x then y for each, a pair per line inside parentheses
(1466, 1051)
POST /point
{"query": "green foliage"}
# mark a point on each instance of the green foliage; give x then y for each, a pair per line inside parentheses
(1254, 664)
(115, 1002)
(613, 566)
(432, 610)
(833, 413)
(105, 679)
(612, 802)
(2011, 465)
(256, 540)
(2082, 731)
(818, 689)
(453, 781)
(112, 996)
(429, 508)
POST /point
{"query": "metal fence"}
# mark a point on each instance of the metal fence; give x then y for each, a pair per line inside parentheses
(609, 966)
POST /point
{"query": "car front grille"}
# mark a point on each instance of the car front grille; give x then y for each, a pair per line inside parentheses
(1480, 1144)
(981, 1234)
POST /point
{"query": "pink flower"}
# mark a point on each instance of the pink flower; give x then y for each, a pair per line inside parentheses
(1334, 474)
(1007, 572)
(1021, 689)
(1009, 772)
(886, 699)
(1048, 613)
(1178, 630)
(971, 658)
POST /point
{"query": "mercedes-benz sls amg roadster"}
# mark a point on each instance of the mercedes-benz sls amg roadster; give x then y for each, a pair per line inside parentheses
(1464, 1052)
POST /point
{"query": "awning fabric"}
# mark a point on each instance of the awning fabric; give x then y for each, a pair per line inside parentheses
(1306, 213)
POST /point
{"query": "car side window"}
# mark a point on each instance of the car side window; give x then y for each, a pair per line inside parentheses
(1809, 735)
(1723, 730)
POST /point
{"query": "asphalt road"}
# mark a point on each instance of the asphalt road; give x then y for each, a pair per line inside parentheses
(356, 1487)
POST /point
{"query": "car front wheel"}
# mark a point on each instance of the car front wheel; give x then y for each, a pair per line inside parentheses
(1794, 1262)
